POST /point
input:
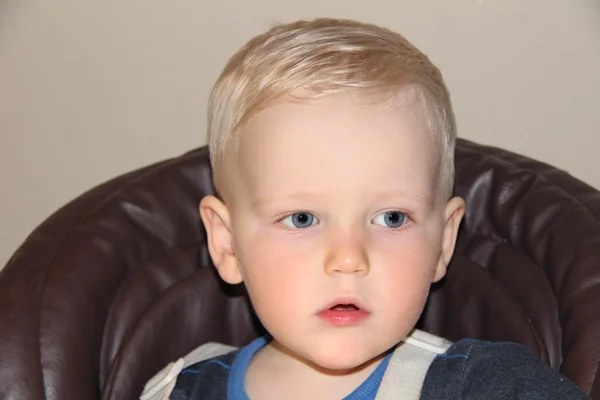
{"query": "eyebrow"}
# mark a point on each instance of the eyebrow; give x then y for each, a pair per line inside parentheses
(400, 195)
(260, 202)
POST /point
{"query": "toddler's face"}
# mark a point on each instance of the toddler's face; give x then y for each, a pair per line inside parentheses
(335, 225)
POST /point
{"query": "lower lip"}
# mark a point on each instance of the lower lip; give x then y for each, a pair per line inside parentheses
(343, 317)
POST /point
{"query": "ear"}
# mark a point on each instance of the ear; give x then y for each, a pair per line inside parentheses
(453, 214)
(215, 216)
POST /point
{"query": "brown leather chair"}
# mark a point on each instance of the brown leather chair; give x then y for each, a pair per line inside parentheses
(118, 282)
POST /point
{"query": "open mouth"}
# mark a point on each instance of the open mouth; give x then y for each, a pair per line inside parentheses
(344, 314)
(344, 307)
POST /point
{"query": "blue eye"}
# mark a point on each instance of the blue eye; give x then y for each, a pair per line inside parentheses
(300, 220)
(391, 219)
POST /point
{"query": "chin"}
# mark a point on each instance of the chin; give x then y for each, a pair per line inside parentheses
(342, 362)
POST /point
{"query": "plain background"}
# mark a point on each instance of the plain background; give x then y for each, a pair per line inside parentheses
(92, 89)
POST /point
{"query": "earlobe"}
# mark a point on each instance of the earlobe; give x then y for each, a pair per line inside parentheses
(453, 214)
(215, 216)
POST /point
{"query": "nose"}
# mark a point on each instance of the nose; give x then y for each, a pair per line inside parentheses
(347, 253)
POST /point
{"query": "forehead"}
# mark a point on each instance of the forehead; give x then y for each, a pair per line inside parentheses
(336, 146)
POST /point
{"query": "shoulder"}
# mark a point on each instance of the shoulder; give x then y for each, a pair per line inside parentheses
(204, 380)
(474, 369)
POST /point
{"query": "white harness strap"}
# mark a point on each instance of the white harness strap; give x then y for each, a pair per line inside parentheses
(162, 384)
(405, 374)
(403, 377)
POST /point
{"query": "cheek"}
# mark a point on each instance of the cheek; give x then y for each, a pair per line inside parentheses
(409, 267)
(275, 270)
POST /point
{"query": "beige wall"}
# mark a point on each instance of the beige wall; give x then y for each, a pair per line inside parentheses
(90, 89)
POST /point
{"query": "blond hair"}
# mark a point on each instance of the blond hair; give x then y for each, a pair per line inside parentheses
(328, 56)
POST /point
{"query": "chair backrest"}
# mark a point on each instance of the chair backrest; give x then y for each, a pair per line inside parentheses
(118, 282)
(527, 263)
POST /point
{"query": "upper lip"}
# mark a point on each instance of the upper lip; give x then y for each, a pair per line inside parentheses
(346, 301)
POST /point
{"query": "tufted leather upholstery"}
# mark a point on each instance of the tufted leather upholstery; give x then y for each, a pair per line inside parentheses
(118, 282)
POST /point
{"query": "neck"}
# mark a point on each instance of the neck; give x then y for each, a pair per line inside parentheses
(277, 372)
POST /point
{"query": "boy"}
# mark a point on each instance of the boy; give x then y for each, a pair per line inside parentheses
(332, 144)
